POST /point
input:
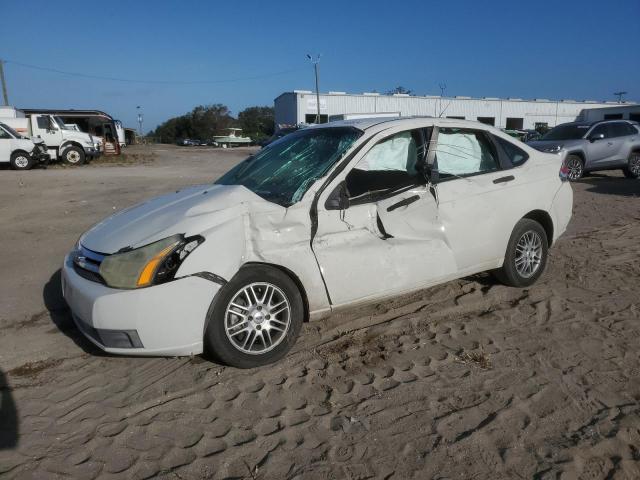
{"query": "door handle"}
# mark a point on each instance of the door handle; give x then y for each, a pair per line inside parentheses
(506, 179)
(403, 203)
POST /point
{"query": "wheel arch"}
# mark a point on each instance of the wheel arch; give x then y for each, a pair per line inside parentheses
(294, 278)
(544, 219)
(70, 143)
(18, 150)
(581, 155)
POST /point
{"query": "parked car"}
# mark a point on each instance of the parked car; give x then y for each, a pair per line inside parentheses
(329, 216)
(19, 151)
(530, 135)
(588, 147)
(187, 142)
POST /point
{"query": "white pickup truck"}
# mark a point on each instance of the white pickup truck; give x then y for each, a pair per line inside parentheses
(21, 152)
(70, 146)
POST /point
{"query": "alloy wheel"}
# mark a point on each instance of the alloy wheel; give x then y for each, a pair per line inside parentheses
(528, 254)
(634, 164)
(257, 318)
(575, 167)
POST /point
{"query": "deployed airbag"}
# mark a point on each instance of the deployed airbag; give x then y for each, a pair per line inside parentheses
(397, 153)
(458, 153)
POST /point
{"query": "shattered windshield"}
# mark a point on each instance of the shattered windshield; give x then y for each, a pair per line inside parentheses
(283, 171)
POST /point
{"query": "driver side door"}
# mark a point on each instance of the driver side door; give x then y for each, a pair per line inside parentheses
(389, 240)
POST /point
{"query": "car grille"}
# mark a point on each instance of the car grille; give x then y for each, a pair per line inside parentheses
(86, 263)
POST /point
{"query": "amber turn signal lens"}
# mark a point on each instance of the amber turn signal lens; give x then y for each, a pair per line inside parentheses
(146, 276)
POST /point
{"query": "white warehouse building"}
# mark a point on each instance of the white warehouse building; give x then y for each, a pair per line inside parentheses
(300, 106)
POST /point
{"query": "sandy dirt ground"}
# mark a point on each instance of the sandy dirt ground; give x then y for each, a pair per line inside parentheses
(469, 379)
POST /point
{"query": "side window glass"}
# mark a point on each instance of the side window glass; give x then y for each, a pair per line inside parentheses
(516, 155)
(462, 152)
(4, 135)
(390, 165)
(601, 129)
(621, 129)
(43, 123)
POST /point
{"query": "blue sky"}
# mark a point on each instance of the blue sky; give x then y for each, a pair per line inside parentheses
(561, 49)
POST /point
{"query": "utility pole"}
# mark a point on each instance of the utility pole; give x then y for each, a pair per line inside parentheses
(619, 95)
(443, 87)
(315, 62)
(4, 84)
(139, 121)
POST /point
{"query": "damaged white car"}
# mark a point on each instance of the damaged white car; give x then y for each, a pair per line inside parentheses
(325, 217)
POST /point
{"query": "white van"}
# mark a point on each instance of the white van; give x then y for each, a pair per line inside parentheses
(19, 151)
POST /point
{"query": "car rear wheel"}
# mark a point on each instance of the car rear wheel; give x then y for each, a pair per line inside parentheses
(576, 167)
(21, 161)
(526, 255)
(256, 318)
(74, 156)
(632, 170)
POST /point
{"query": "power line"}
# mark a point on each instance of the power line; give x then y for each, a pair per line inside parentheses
(158, 82)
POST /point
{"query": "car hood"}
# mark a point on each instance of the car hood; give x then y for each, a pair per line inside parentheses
(190, 211)
(542, 144)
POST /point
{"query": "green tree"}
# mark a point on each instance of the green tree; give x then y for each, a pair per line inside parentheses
(257, 122)
(202, 123)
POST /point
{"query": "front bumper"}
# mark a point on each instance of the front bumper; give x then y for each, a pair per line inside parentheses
(166, 319)
(40, 156)
(91, 152)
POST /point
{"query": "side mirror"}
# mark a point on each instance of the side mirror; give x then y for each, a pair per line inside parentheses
(339, 198)
(593, 138)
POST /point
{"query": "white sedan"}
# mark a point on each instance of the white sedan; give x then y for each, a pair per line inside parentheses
(326, 217)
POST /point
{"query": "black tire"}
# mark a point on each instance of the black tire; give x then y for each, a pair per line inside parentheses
(74, 156)
(632, 170)
(510, 274)
(21, 160)
(216, 339)
(575, 164)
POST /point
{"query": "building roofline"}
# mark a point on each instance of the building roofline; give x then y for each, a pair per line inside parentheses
(459, 97)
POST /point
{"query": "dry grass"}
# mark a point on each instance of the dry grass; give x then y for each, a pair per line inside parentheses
(478, 358)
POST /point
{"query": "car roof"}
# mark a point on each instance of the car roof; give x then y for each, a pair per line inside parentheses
(595, 122)
(368, 123)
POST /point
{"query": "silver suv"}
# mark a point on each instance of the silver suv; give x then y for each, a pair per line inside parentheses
(603, 145)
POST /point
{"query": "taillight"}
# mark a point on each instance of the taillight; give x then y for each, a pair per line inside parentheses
(564, 171)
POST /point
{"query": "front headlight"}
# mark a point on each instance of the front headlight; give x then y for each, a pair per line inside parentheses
(149, 265)
(553, 149)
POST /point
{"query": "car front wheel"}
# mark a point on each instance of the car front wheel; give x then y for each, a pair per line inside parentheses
(576, 167)
(21, 161)
(256, 318)
(526, 255)
(632, 170)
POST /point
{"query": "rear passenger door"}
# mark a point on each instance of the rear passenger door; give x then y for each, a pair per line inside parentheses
(622, 136)
(480, 196)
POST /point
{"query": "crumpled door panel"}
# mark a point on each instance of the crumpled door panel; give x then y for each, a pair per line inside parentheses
(370, 250)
